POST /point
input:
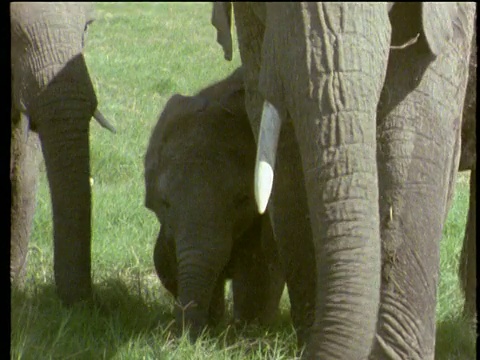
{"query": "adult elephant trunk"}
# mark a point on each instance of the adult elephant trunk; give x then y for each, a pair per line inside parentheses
(330, 90)
(202, 255)
(62, 114)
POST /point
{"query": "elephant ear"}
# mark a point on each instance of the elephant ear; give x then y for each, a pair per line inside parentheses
(154, 149)
(90, 14)
(442, 23)
(151, 165)
(222, 20)
(178, 107)
(171, 121)
(233, 102)
(232, 99)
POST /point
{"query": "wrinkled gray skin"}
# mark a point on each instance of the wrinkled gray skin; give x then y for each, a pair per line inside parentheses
(468, 161)
(198, 170)
(379, 149)
(52, 96)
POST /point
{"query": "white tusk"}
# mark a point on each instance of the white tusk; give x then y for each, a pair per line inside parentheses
(102, 121)
(270, 126)
(263, 185)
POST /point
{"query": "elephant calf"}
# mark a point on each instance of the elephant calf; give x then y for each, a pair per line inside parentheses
(199, 182)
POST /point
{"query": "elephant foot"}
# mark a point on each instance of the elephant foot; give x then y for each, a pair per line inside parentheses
(302, 337)
(216, 310)
(76, 298)
(470, 312)
(75, 293)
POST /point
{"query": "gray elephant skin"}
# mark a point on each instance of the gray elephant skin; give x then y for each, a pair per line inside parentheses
(370, 96)
(468, 162)
(198, 176)
(52, 96)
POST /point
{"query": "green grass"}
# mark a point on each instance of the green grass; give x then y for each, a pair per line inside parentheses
(138, 56)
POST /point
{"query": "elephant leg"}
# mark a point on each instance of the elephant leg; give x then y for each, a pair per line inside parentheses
(24, 163)
(217, 303)
(468, 259)
(289, 212)
(417, 145)
(257, 276)
(248, 276)
(272, 265)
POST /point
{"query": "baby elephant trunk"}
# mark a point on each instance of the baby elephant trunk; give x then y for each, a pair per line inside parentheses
(202, 254)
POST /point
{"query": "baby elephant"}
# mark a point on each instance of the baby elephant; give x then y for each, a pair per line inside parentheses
(199, 182)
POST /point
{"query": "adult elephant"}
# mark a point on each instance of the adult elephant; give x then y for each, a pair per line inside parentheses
(374, 95)
(52, 95)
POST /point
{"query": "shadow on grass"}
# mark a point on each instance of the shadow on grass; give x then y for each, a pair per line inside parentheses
(123, 317)
(129, 315)
(41, 325)
(456, 339)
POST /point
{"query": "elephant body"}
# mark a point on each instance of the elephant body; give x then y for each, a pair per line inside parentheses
(52, 95)
(372, 97)
(198, 171)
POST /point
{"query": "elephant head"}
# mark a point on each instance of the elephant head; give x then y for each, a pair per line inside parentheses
(198, 166)
(52, 90)
(363, 86)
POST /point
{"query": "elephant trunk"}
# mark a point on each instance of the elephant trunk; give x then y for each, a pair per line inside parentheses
(61, 115)
(341, 175)
(331, 95)
(202, 255)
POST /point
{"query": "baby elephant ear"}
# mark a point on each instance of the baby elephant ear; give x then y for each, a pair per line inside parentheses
(180, 105)
(222, 20)
(442, 23)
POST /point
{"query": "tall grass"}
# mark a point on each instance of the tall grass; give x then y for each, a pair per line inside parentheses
(139, 54)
